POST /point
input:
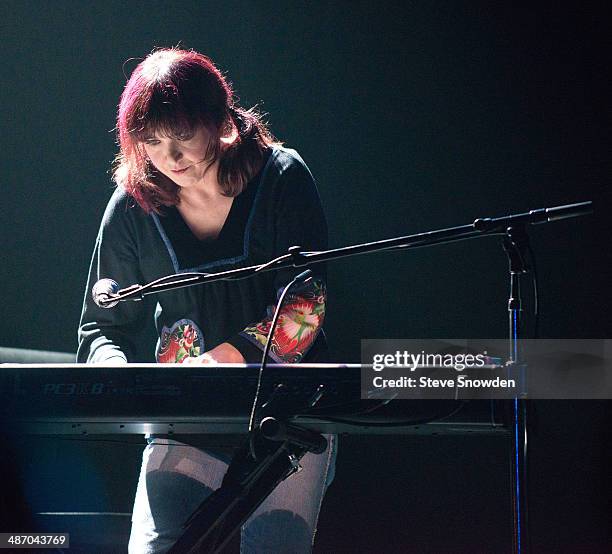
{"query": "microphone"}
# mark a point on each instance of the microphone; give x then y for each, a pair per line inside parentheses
(103, 292)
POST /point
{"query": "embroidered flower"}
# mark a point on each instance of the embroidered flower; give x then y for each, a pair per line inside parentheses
(189, 335)
(182, 340)
(299, 322)
(297, 325)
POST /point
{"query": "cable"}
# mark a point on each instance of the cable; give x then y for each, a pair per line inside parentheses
(316, 410)
(273, 262)
(301, 277)
(536, 302)
(394, 423)
(181, 277)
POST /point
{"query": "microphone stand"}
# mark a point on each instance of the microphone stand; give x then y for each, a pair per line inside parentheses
(272, 453)
(514, 230)
(516, 245)
(296, 258)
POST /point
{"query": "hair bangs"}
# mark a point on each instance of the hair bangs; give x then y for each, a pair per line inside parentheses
(166, 112)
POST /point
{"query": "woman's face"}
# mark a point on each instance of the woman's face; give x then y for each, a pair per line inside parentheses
(182, 160)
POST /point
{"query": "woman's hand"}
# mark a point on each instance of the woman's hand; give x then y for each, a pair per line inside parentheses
(225, 353)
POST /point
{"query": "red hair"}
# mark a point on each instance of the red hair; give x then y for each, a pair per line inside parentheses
(174, 91)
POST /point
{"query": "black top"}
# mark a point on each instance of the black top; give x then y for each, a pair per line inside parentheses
(279, 208)
(190, 251)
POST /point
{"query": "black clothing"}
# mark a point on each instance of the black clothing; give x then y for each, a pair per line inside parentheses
(279, 208)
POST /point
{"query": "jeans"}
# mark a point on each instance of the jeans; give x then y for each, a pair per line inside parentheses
(175, 478)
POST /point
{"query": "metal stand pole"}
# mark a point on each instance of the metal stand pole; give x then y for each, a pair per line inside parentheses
(515, 244)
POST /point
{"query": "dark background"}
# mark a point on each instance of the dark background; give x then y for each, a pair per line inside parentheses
(412, 117)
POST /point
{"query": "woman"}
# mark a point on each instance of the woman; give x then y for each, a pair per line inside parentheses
(203, 186)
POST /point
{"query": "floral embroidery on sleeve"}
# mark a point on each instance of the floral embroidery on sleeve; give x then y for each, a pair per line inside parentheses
(299, 322)
(183, 339)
